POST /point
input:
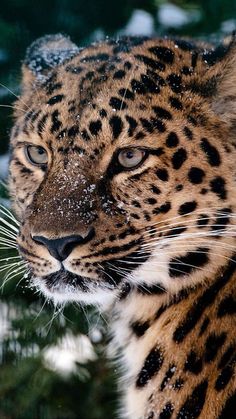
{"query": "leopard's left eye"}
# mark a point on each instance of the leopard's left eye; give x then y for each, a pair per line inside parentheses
(36, 155)
(131, 157)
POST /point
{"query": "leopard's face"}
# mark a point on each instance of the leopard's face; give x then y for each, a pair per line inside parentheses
(122, 167)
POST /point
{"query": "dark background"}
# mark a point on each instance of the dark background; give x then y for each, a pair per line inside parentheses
(30, 387)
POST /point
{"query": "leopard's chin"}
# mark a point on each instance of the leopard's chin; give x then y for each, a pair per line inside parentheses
(114, 279)
(64, 286)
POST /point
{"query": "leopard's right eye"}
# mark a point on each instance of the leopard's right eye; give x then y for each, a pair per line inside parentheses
(36, 155)
(131, 158)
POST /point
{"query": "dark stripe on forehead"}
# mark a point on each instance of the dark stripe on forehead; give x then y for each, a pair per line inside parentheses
(117, 104)
(126, 94)
(175, 82)
(162, 113)
(116, 125)
(73, 131)
(52, 87)
(185, 45)
(95, 127)
(73, 69)
(172, 140)
(55, 99)
(163, 53)
(144, 86)
(35, 115)
(97, 57)
(175, 103)
(179, 158)
(156, 65)
(29, 115)
(41, 124)
(119, 74)
(132, 124)
(56, 123)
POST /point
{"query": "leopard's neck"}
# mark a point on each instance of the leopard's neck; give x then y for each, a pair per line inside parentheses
(177, 352)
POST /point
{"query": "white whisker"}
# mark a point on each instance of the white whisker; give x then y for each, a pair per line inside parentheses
(184, 236)
(18, 97)
(9, 258)
(13, 107)
(166, 221)
(41, 310)
(57, 311)
(106, 273)
(179, 224)
(7, 233)
(9, 243)
(7, 213)
(10, 266)
(12, 273)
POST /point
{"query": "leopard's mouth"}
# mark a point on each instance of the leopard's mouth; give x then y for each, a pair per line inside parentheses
(109, 281)
(66, 281)
(64, 286)
(65, 278)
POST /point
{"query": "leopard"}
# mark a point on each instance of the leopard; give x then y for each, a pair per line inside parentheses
(122, 178)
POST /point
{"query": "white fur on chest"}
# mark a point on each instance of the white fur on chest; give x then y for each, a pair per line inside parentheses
(130, 352)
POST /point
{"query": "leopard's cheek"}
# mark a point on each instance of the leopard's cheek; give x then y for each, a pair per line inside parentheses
(38, 259)
(23, 183)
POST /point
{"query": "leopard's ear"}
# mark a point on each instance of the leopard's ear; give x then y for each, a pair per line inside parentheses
(223, 72)
(43, 55)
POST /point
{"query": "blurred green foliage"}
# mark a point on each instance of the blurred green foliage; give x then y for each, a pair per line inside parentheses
(28, 389)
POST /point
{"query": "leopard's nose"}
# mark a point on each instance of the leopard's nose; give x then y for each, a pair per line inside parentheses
(61, 248)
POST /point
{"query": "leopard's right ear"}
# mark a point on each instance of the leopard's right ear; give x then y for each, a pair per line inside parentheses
(43, 55)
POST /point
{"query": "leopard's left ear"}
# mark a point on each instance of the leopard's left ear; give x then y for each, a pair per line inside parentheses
(222, 62)
(45, 54)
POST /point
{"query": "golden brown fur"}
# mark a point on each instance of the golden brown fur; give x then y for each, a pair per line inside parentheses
(153, 245)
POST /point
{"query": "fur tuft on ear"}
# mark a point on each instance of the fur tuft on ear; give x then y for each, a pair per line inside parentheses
(44, 54)
(224, 74)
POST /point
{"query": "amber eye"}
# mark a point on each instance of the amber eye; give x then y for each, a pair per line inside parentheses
(36, 155)
(131, 157)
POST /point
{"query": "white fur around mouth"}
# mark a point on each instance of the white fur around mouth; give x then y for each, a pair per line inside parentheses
(62, 293)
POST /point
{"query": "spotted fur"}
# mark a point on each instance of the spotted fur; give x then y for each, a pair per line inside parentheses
(154, 245)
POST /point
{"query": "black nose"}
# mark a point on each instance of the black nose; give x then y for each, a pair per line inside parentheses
(61, 248)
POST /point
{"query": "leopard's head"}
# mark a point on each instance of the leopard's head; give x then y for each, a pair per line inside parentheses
(122, 172)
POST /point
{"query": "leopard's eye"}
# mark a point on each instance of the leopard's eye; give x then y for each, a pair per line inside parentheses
(36, 155)
(131, 157)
